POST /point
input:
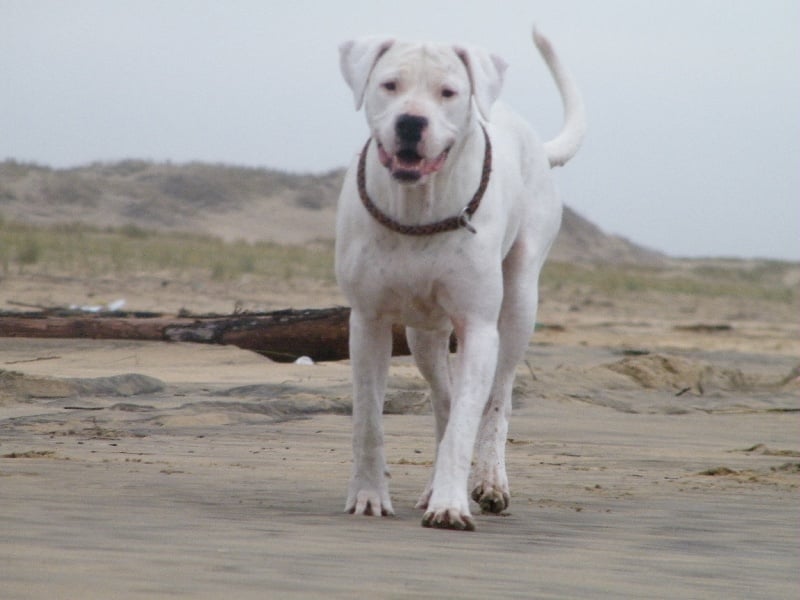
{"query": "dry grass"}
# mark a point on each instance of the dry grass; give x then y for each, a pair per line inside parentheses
(757, 280)
(94, 252)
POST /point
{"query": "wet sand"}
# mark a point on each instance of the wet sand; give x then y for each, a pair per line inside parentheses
(216, 473)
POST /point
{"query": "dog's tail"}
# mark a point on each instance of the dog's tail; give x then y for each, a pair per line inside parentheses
(565, 145)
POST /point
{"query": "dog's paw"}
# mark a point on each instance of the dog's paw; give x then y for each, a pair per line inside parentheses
(491, 499)
(369, 503)
(448, 518)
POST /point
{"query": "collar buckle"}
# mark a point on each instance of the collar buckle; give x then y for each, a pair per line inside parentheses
(465, 220)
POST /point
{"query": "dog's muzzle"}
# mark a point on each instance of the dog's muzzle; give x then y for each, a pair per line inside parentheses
(407, 165)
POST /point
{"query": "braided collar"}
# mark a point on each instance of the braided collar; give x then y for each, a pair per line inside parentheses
(458, 221)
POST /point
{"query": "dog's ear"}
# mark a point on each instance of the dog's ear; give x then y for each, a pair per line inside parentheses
(357, 59)
(485, 76)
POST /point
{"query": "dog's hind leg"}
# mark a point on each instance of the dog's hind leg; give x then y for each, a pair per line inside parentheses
(489, 481)
(431, 350)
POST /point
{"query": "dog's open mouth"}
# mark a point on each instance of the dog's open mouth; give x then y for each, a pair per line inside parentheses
(408, 166)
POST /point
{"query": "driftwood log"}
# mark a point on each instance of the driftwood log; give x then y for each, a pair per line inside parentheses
(284, 336)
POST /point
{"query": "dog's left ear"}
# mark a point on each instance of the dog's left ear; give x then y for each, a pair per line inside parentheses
(357, 58)
(485, 75)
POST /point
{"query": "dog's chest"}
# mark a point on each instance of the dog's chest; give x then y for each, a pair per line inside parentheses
(412, 285)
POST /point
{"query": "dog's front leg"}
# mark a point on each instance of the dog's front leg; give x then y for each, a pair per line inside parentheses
(431, 351)
(370, 352)
(448, 506)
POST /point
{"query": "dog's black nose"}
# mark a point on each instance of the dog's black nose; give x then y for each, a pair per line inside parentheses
(409, 128)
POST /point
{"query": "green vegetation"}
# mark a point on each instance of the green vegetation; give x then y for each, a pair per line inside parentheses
(94, 252)
(87, 251)
(764, 280)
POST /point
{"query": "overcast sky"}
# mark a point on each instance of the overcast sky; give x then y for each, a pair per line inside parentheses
(694, 105)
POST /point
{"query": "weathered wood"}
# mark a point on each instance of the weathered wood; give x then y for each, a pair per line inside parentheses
(285, 335)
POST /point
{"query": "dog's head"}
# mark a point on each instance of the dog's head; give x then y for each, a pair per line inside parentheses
(418, 98)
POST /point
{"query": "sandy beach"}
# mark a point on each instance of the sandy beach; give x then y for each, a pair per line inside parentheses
(647, 459)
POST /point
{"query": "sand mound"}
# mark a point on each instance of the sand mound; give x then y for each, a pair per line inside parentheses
(17, 387)
(230, 202)
(665, 372)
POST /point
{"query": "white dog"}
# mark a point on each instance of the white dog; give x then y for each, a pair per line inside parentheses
(444, 222)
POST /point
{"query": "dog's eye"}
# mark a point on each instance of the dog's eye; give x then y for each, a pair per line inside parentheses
(448, 93)
(389, 86)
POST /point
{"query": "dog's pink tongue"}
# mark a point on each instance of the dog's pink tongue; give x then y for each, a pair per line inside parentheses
(405, 163)
(431, 166)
